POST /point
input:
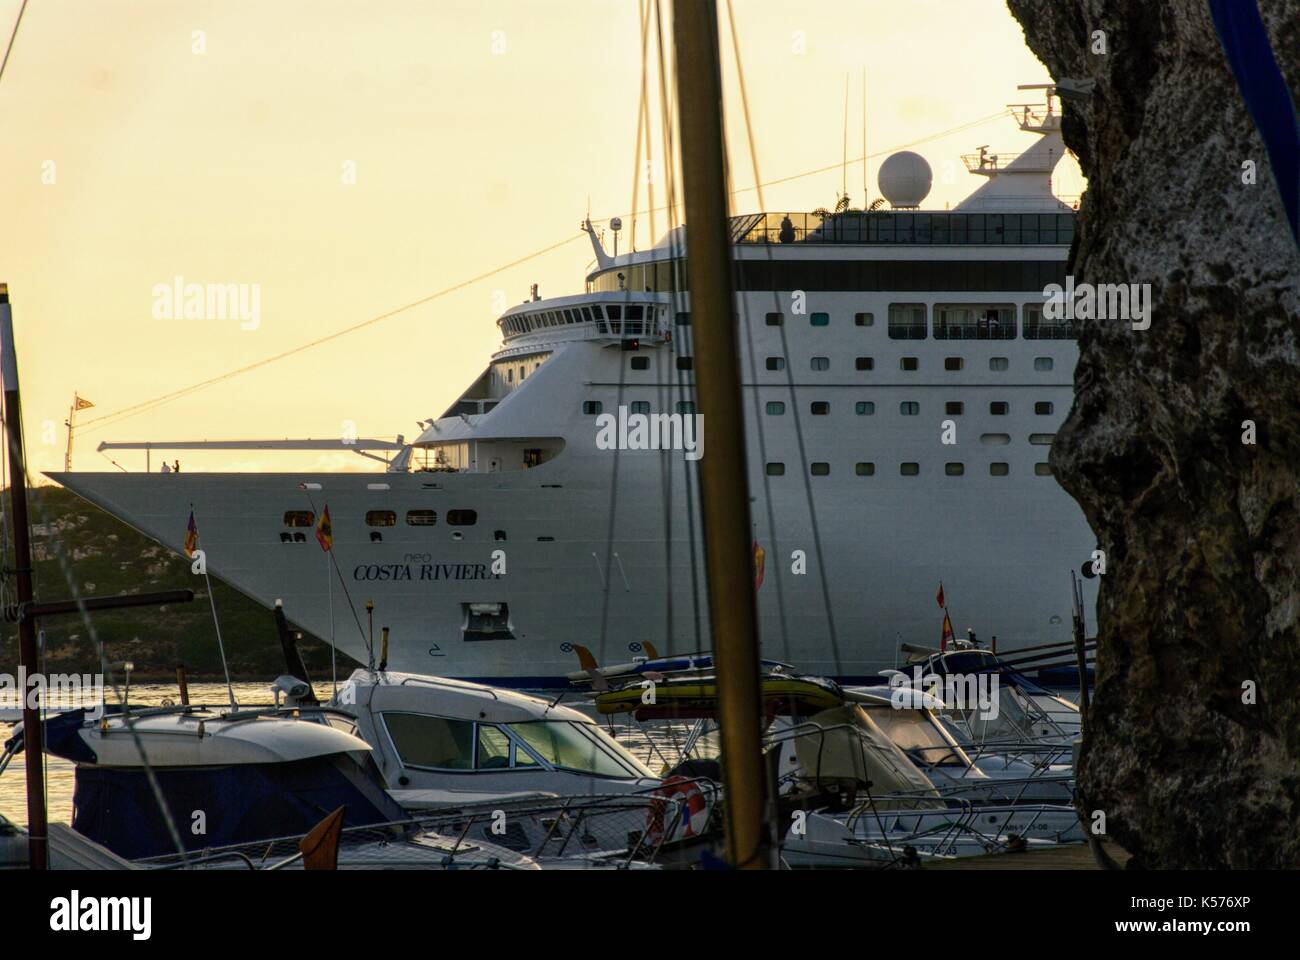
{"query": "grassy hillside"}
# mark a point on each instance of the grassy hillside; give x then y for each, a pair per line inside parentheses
(104, 557)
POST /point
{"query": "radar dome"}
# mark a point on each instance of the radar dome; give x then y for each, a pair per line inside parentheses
(905, 179)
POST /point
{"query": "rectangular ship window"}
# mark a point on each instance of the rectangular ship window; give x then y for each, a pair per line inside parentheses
(907, 321)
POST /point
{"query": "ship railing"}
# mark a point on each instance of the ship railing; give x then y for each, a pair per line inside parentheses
(930, 227)
(907, 331)
(975, 331)
(1051, 331)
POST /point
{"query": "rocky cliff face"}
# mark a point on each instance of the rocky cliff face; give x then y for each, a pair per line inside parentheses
(1199, 604)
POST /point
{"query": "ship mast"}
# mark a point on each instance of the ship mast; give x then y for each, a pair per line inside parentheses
(724, 490)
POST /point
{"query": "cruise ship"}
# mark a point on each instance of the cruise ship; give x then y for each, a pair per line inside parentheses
(902, 386)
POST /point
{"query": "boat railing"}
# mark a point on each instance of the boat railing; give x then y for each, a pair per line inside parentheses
(621, 829)
(632, 826)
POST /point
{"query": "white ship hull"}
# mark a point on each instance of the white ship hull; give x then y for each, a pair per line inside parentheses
(611, 570)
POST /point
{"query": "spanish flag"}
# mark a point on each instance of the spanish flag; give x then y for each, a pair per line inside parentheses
(191, 536)
(947, 632)
(759, 556)
(325, 529)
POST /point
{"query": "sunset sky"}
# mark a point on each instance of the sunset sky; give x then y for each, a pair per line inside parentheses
(478, 132)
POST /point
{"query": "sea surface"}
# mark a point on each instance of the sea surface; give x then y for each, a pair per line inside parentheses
(653, 748)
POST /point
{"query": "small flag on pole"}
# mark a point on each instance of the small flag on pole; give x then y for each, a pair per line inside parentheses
(191, 536)
(947, 632)
(80, 403)
(939, 596)
(759, 558)
(325, 529)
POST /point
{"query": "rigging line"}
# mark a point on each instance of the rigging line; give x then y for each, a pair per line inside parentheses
(645, 112)
(665, 387)
(695, 545)
(144, 405)
(798, 427)
(753, 359)
(636, 153)
(12, 37)
(611, 524)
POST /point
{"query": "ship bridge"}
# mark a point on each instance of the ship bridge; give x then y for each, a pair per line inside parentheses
(611, 316)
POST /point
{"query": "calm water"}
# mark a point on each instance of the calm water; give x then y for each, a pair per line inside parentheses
(59, 773)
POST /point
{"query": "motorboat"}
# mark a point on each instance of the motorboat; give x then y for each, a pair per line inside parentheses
(164, 780)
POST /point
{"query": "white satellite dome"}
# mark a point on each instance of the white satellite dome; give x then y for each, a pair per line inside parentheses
(905, 179)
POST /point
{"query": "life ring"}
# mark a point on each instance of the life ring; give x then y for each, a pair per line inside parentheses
(695, 809)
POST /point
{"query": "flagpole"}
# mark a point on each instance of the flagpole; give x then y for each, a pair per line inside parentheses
(334, 665)
(67, 454)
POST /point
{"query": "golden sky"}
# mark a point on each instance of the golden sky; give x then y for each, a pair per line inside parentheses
(349, 158)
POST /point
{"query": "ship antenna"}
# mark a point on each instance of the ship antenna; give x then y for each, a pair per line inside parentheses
(866, 191)
(844, 161)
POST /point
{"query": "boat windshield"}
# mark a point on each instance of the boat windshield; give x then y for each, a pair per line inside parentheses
(913, 732)
(581, 747)
(1010, 721)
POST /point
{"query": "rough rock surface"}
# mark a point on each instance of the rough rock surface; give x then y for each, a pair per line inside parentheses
(1202, 531)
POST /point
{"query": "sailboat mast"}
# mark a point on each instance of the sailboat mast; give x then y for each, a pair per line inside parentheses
(724, 488)
(33, 739)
